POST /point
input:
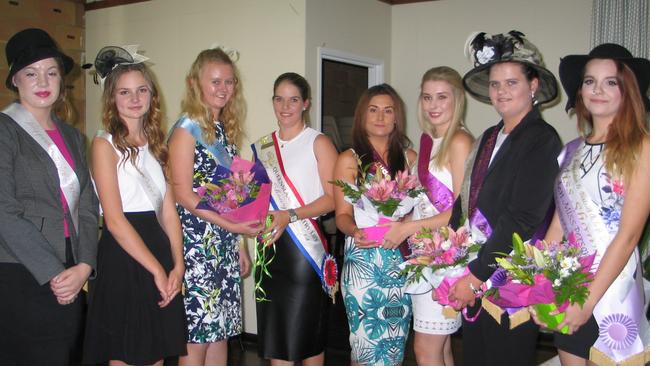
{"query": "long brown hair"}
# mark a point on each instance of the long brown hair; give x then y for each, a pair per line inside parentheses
(627, 130)
(398, 141)
(151, 125)
(232, 115)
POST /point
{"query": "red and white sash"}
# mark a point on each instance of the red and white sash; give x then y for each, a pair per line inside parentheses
(305, 233)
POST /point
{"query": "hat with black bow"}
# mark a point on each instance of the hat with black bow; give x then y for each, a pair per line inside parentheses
(485, 51)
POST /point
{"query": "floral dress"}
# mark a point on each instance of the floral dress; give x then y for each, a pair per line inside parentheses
(212, 280)
(590, 202)
(378, 309)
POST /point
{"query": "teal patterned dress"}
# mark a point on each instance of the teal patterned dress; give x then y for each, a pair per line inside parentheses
(379, 312)
(212, 280)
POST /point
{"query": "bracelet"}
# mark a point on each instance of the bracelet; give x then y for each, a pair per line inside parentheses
(477, 291)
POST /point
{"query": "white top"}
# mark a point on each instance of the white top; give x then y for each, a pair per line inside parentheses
(301, 165)
(134, 198)
(441, 173)
(501, 137)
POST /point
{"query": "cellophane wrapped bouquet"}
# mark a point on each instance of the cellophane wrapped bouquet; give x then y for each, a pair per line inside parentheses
(242, 193)
(239, 193)
(438, 258)
(379, 199)
(548, 276)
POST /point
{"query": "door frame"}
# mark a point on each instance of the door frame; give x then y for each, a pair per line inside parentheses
(375, 73)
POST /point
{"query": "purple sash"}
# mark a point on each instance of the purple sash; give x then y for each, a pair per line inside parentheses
(480, 166)
(441, 197)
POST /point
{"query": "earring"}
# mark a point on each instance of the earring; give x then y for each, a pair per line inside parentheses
(532, 96)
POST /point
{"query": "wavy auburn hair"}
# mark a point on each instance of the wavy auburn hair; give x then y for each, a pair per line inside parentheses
(152, 119)
(627, 130)
(397, 141)
(232, 115)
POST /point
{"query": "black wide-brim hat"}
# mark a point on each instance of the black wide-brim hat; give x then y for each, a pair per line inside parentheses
(572, 70)
(29, 46)
(507, 47)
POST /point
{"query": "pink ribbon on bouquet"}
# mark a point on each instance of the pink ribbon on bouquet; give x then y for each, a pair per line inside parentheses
(442, 294)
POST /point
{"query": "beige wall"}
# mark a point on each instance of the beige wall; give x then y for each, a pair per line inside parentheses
(283, 35)
(270, 37)
(430, 34)
(358, 27)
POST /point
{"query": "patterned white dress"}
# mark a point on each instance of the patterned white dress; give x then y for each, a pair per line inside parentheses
(378, 309)
(427, 313)
(590, 202)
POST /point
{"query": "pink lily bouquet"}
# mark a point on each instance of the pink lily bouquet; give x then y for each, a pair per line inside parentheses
(548, 276)
(378, 199)
(242, 193)
(438, 259)
(239, 193)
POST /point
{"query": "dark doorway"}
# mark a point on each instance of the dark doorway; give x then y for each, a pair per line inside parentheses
(342, 84)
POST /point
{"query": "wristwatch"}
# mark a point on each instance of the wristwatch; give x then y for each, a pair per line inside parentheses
(293, 216)
(477, 291)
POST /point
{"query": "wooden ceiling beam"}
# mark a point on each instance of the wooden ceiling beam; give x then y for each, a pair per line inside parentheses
(400, 2)
(101, 4)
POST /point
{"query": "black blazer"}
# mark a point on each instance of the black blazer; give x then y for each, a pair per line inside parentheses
(517, 191)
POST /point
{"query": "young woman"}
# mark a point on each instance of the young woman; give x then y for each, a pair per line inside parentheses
(508, 185)
(444, 147)
(378, 310)
(602, 198)
(48, 210)
(135, 316)
(215, 261)
(292, 325)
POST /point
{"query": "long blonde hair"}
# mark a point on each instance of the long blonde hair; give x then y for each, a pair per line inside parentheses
(626, 132)
(232, 114)
(451, 77)
(152, 120)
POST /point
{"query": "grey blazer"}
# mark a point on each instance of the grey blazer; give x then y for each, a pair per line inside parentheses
(31, 213)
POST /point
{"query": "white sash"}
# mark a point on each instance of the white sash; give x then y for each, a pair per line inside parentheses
(68, 181)
(620, 314)
(144, 179)
(305, 233)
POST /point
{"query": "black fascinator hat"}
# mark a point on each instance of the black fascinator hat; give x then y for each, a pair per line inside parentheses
(109, 57)
(29, 46)
(572, 70)
(484, 51)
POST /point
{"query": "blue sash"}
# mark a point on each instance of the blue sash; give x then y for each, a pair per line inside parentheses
(217, 150)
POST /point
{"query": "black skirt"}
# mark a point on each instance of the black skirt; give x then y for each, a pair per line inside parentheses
(34, 328)
(124, 320)
(580, 342)
(292, 325)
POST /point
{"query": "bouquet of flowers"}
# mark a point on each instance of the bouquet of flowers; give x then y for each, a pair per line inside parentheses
(438, 259)
(548, 276)
(239, 193)
(379, 199)
(242, 193)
